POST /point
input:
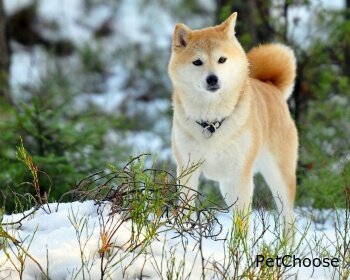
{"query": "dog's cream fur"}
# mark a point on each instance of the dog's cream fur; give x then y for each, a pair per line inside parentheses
(258, 134)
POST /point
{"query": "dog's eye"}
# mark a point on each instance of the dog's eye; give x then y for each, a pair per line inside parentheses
(222, 59)
(197, 62)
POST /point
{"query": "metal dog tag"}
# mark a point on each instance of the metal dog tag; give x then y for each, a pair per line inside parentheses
(206, 132)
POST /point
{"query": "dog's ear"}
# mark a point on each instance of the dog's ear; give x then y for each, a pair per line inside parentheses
(180, 37)
(229, 25)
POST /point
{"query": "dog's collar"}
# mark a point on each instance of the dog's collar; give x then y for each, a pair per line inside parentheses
(209, 128)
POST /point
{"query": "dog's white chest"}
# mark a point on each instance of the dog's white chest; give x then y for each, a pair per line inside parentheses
(221, 159)
(219, 164)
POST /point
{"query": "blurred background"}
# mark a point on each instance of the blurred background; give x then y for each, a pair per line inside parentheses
(85, 84)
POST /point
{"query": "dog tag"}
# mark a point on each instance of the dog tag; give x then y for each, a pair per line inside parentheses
(206, 132)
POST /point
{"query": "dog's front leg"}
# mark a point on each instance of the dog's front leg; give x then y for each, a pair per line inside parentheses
(238, 193)
(188, 186)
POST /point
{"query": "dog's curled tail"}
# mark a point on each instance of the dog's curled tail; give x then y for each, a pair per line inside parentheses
(274, 63)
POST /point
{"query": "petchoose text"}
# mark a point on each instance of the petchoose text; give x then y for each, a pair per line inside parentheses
(294, 261)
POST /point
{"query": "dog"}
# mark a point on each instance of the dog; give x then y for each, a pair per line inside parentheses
(231, 114)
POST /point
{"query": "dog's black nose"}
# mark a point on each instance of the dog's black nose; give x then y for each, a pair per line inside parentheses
(212, 80)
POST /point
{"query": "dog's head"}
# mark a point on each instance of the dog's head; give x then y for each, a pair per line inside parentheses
(207, 63)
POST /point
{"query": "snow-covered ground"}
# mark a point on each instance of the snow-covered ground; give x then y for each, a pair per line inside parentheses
(65, 234)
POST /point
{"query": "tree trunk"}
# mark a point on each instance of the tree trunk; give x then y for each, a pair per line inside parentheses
(347, 44)
(4, 56)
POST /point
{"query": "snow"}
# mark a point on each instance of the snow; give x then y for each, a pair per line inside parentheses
(141, 142)
(67, 14)
(144, 29)
(27, 68)
(50, 236)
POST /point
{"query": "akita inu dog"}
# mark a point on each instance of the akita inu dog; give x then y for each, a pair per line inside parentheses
(230, 112)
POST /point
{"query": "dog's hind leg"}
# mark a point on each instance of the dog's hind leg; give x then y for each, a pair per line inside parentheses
(281, 179)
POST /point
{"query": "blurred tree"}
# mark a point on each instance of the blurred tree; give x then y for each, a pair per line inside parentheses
(253, 25)
(4, 55)
(23, 28)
